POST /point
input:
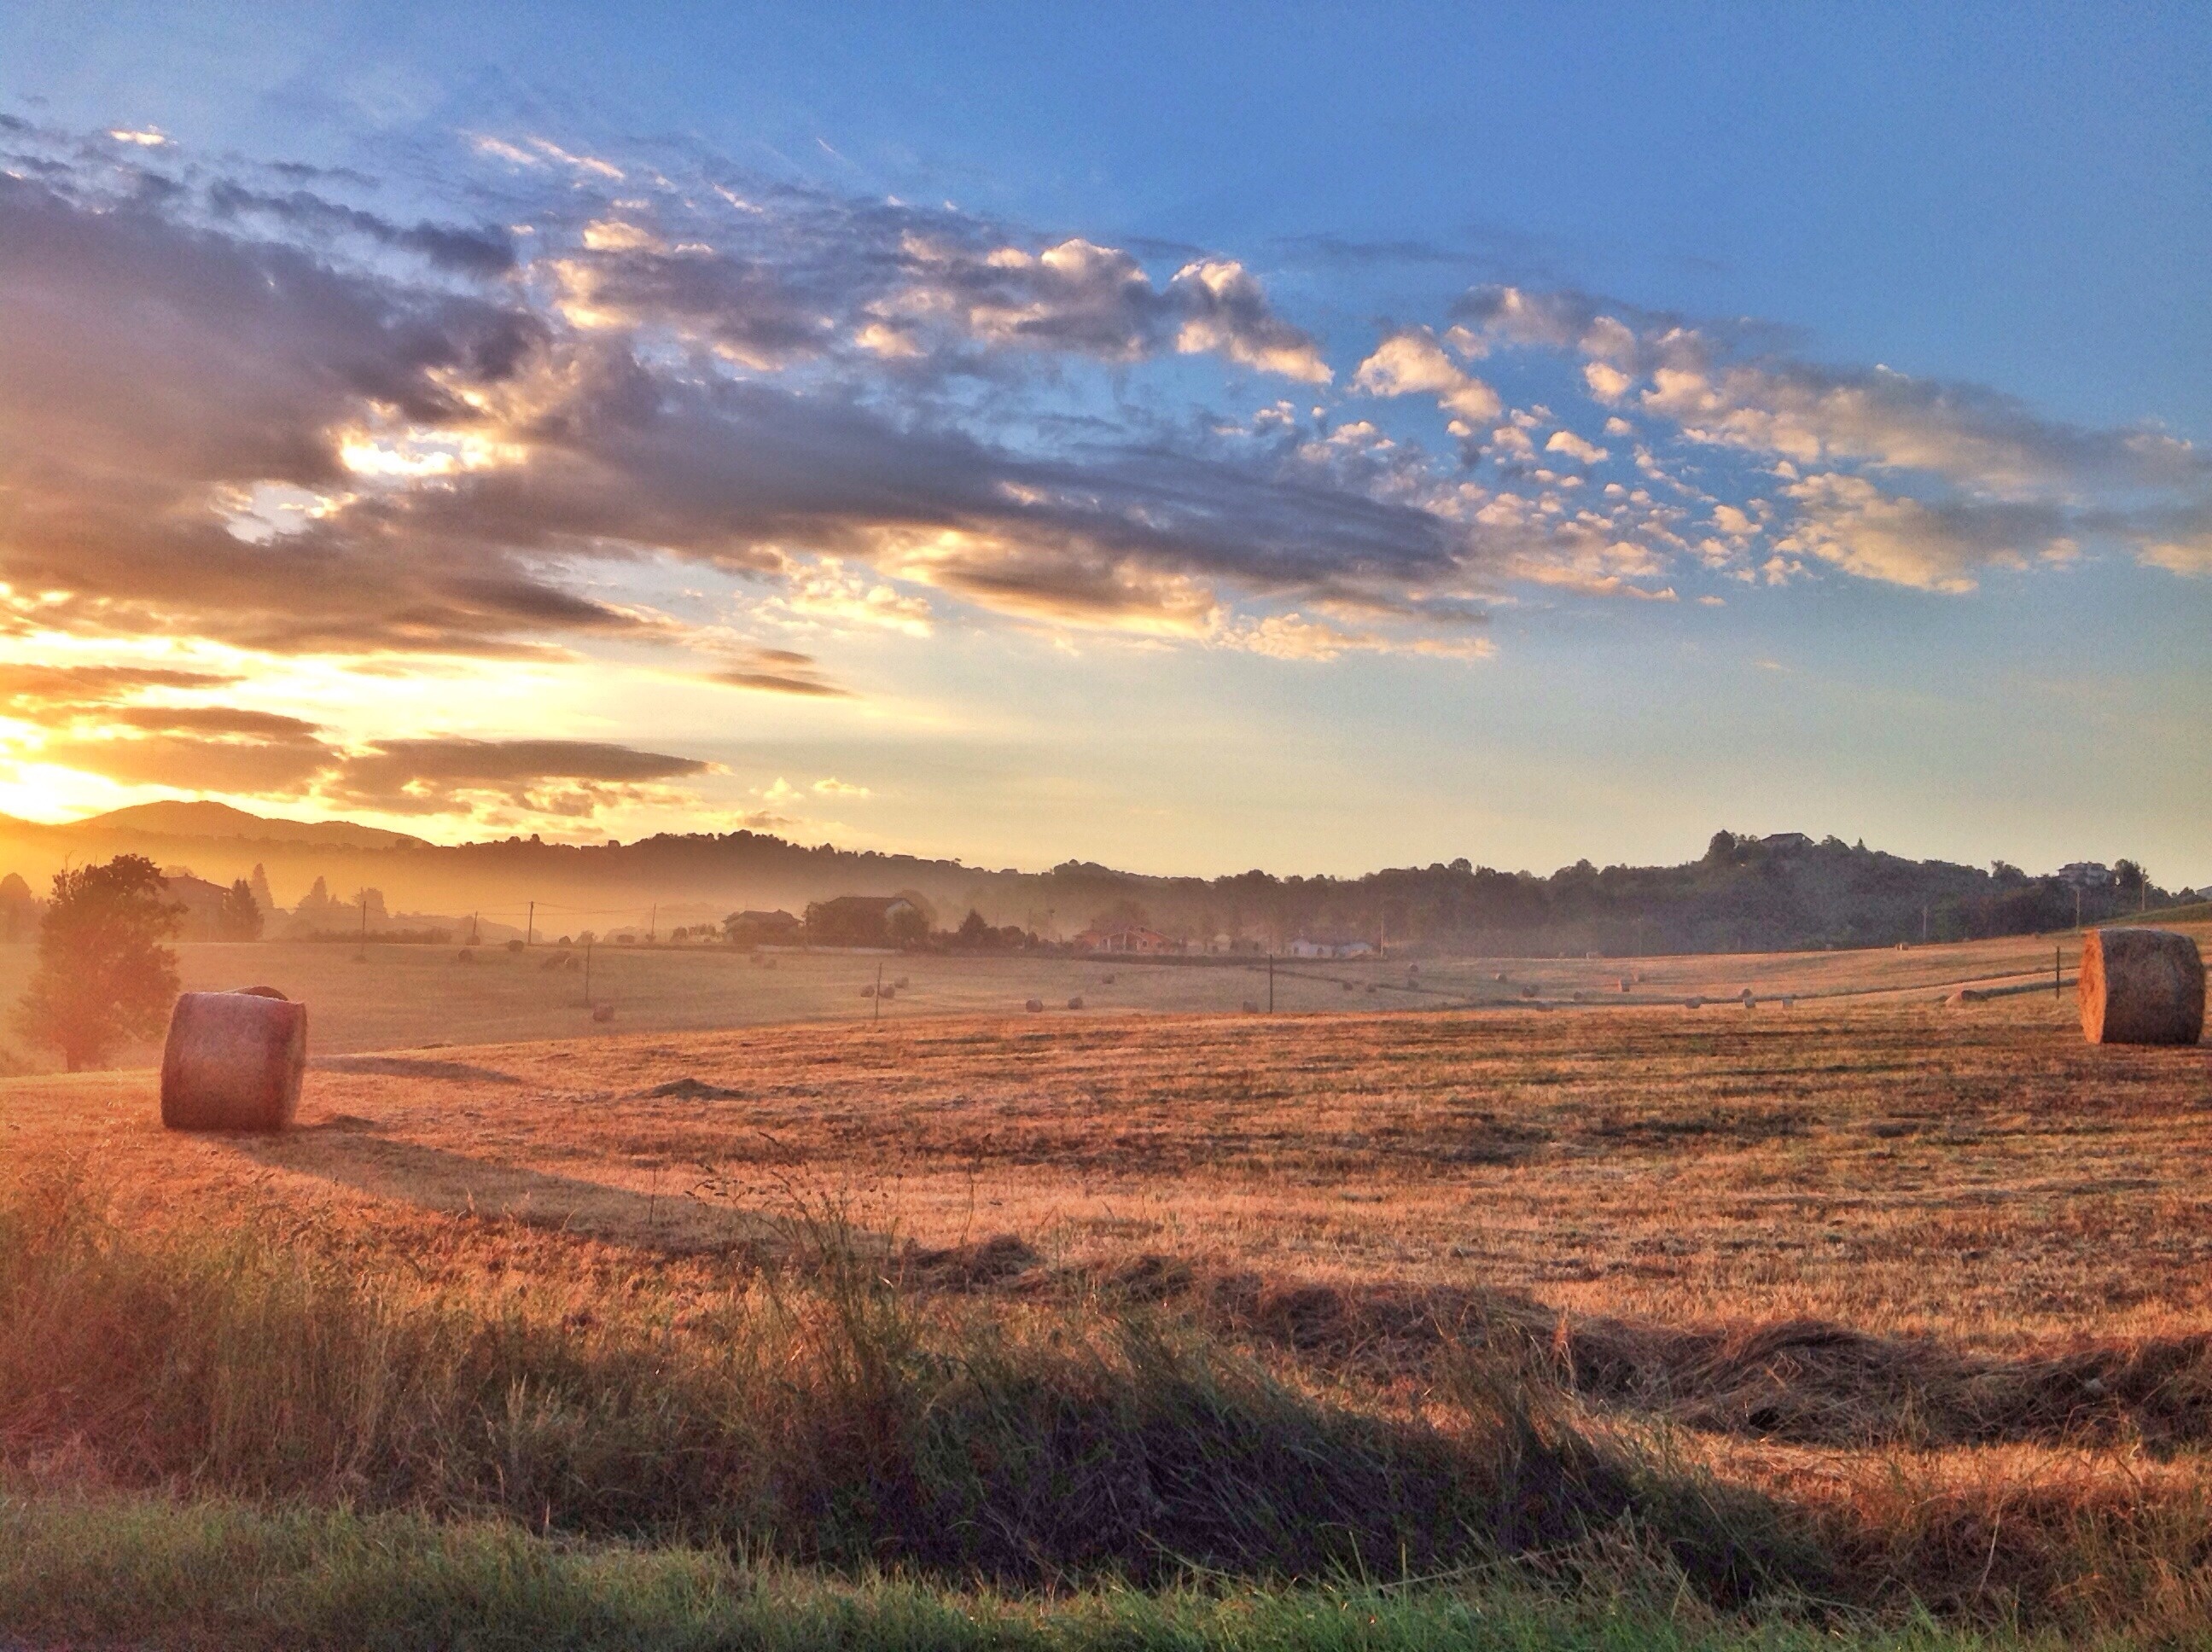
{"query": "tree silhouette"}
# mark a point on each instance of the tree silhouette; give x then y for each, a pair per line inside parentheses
(104, 977)
(241, 917)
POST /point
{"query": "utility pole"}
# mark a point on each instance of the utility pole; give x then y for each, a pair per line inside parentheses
(880, 990)
(2054, 956)
(2077, 908)
(587, 975)
(652, 924)
(530, 926)
(1271, 983)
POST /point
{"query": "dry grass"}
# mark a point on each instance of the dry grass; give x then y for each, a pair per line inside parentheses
(1933, 1279)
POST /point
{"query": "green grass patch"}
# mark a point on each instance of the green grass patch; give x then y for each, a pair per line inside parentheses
(149, 1571)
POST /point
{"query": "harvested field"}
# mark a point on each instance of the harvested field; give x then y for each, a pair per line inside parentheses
(387, 995)
(1934, 1284)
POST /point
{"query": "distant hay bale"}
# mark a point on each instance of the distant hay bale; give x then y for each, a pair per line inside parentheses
(1693, 1004)
(1034, 1006)
(2142, 986)
(1750, 999)
(1251, 1008)
(465, 956)
(234, 1060)
(1108, 980)
(1625, 983)
(603, 1012)
(867, 991)
(1966, 995)
(1075, 1003)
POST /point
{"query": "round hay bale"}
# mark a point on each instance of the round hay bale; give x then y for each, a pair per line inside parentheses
(2142, 986)
(1075, 1003)
(1693, 1004)
(1034, 1006)
(1750, 999)
(603, 1012)
(234, 1060)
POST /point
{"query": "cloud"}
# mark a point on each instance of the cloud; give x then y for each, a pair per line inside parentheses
(1298, 636)
(777, 670)
(1077, 296)
(1412, 363)
(1224, 311)
(437, 463)
(265, 414)
(34, 689)
(569, 778)
(196, 748)
(1850, 522)
(1575, 447)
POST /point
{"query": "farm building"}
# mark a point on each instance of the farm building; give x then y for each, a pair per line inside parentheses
(866, 921)
(750, 929)
(1126, 938)
(1303, 947)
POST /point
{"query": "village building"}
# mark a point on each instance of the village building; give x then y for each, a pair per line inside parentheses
(1132, 938)
(865, 920)
(1303, 947)
(750, 929)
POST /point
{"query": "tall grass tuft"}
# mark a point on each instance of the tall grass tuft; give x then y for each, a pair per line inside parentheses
(817, 1416)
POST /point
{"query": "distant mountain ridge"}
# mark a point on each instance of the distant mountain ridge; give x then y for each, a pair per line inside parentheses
(189, 819)
(1781, 892)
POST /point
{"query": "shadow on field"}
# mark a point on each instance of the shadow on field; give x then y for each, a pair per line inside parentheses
(412, 1066)
(664, 1218)
(1805, 1381)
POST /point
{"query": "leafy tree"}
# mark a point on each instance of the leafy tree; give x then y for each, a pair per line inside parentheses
(973, 932)
(239, 918)
(908, 926)
(104, 977)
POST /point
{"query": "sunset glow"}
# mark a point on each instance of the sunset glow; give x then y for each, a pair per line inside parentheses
(574, 481)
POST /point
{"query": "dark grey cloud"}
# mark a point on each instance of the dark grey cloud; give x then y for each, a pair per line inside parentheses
(480, 250)
(563, 777)
(777, 671)
(160, 361)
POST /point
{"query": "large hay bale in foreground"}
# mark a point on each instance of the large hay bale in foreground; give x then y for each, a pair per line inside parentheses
(234, 1061)
(2142, 986)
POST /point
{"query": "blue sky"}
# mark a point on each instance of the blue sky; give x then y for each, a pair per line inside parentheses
(1184, 437)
